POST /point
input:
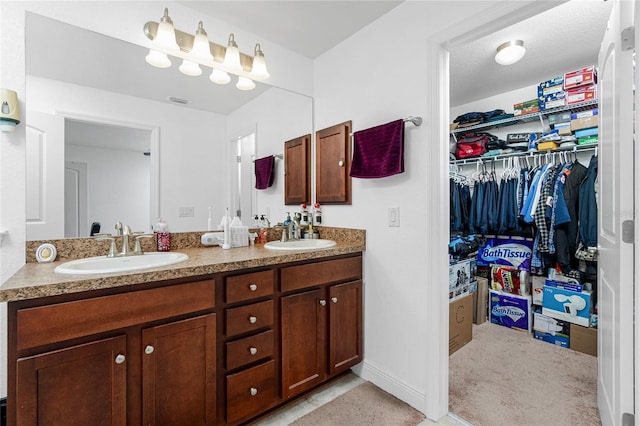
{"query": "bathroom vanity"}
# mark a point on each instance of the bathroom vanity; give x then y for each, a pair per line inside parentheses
(219, 339)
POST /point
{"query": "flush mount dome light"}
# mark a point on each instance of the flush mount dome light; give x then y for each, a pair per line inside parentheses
(510, 52)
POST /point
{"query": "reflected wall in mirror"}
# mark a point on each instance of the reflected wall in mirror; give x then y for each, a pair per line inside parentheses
(195, 165)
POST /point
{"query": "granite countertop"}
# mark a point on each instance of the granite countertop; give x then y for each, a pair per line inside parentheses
(35, 280)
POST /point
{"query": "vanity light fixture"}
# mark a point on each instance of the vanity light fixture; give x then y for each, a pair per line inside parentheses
(196, 51)
(9, 111)
(510, 52)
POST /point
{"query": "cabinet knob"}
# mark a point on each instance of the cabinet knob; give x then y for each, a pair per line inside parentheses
(341, 163)
(149, 350)
(253, 350)
(253, 391)
(253, 319)
(334, 299)
(323, 302)
(253, 287)
(120, 359)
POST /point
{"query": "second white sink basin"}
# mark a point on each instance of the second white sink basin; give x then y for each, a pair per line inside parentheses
(106, 265)
(300, 244)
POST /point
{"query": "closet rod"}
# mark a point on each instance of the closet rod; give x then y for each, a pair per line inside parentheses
(475, 160)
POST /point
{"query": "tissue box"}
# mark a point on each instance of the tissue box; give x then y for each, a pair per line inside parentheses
(506, 251)
(239, 236)
(567, 305)
(510, 310)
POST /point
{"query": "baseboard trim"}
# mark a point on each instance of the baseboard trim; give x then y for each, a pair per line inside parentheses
(388, 383)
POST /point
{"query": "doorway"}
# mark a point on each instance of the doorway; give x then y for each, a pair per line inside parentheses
(244, 197)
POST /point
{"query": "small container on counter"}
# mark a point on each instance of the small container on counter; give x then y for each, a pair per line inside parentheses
(163, 236)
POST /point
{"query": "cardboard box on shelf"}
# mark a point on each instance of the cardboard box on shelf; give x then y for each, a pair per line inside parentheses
(582, 94)
(526, 107)
(510, 310)
(481, 299)
(460, 322)
(567, 305)
(550, 86)
(584, 339)
(582, 114)
(584, 123)
(585, 133)
(462, 277)
(564, 129)
(580, 77)
(589, 140)
(551, 330)
(561, 117)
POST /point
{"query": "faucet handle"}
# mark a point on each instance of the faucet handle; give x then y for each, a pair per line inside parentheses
(118, 227)
(112, 247)
(127, 230)
(137, 249)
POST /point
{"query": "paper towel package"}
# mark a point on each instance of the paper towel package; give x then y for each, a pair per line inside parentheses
(510, 310)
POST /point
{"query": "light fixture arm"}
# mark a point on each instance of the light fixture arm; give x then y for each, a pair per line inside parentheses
(185, 41)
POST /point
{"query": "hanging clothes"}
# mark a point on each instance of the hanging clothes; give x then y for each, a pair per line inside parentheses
(588, 208)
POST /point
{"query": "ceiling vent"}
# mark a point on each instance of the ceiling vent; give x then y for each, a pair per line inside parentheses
(179, 100)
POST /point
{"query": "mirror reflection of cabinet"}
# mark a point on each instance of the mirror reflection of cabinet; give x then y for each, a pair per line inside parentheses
(333, 163)
(297, 170)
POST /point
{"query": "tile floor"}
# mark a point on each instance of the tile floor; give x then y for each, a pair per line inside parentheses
(315, 400)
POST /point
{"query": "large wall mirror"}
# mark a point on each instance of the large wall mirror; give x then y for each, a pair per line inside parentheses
(110, 138)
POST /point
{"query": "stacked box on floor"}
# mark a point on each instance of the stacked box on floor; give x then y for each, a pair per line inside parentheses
(551, 330)
(568, 305)
(460, 322)
(510, 310)
(462, 278)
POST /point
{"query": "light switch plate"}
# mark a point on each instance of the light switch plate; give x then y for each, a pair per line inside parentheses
(185, 212)
(393, 214)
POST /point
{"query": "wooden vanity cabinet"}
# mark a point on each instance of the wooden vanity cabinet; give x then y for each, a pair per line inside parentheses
(321, 327)
(136, 357)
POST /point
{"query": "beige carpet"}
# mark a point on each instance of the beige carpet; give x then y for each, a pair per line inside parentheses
(364, 405)
(506, 377)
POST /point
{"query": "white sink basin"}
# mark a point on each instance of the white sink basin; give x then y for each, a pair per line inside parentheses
(106, 265)
(299, 244)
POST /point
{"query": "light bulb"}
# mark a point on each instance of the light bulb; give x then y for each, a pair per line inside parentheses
(510, 52)
(166, 35)
(245, 83)
(219, 77)
(201, 50)
(259, 68)
(158, 59)
(190, 68)
(232, 56)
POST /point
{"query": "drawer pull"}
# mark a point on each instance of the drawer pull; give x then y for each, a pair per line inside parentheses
(323, 302)
(120, 359)
(253, 287)
(253, 391)
(253, 319)
(149, 350)
(334, 299)
(253, 350)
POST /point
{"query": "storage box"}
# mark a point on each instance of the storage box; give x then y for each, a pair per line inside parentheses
(589, 140)
(510, 310)
(584, 123)
(583, 114)
(582, 94)
(480, 299)
(562, 117)
(506, 251)
(550, 86)
(585, 133)
(537, 283)
(526, 107)
(462, 277)
(567, 305)
(584, 339)
(564, 129)
(580, 77)
(239, 236)
(553, 100)
(551, 330)
(460, 322)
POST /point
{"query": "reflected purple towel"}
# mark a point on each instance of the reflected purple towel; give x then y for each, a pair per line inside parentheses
(264, 172)
(379, 151)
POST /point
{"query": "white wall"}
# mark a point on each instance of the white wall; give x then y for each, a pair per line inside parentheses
(278, 116)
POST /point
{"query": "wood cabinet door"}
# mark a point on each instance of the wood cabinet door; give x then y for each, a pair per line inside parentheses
(297, 170)
(79, 385)
(333, 163)
(303, 341)
(345, 326)
(178, 372)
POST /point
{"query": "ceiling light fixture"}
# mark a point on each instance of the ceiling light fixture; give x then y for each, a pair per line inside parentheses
(196, 50)
(510, 52)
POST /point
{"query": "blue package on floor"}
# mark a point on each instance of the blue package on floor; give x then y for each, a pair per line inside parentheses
(510, 310)
(567, 305)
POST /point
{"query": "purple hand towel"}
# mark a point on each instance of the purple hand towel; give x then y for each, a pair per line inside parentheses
(264, 172)
(379, 151)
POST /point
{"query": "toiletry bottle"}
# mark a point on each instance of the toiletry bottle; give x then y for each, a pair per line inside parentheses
(317, 214)
(287, 221)
(209, 221)
(262, 239)
(227, 221)
(305, 214)
(163, 236)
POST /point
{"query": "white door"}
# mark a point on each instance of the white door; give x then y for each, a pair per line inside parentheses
(615, 227)
(45, 176)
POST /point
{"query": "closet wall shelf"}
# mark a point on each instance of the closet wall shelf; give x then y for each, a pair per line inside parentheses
(481, 160)
(528, 117)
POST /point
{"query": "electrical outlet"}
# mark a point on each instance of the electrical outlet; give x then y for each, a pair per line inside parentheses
(393, 214)
(185, 211)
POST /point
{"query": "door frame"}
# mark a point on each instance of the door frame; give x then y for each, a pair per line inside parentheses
(436, 402)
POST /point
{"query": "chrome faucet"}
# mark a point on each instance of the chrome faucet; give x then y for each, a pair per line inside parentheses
(294, 227)
(125, 241)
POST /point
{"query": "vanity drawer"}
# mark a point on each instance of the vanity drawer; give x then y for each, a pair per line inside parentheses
(63, 321)
(249, 318)
(249, 349)
(248, 286)
(251, 391)
(328, 271)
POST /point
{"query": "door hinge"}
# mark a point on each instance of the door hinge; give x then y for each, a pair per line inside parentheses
(239, 158)
(628, 231)
(628, 419)
(628, 39)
